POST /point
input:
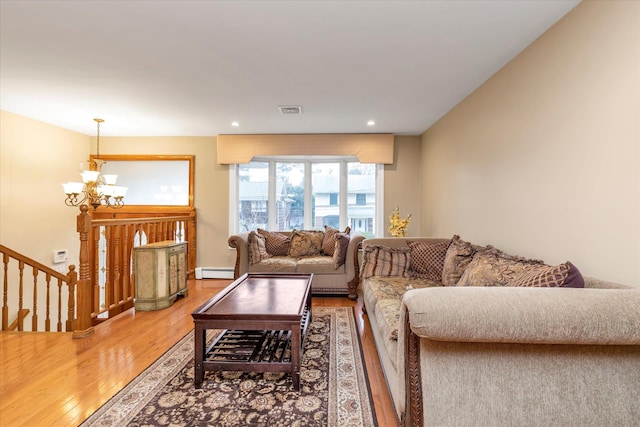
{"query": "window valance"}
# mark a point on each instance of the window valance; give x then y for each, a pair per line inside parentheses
(367, 148)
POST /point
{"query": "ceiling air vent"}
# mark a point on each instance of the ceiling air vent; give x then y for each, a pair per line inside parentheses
(290, 109)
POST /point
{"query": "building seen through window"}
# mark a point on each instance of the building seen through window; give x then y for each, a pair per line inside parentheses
(281, 194)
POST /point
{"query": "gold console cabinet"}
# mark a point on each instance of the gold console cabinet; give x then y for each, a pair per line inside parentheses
(160, 274)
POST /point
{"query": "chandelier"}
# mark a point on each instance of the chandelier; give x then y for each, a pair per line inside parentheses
(96, 189)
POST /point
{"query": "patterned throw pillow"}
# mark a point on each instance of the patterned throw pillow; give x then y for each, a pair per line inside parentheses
(385, 261)
(329, 239)
(277, 244)
(492, 267)
(257, 248)
(458, 256)
(305, 243)
(565, 275)
(427, 259)
(340, 248)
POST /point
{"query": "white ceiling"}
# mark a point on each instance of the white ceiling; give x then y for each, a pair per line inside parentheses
(192, 67)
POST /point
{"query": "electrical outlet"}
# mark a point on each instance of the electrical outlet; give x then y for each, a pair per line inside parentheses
(61, 268)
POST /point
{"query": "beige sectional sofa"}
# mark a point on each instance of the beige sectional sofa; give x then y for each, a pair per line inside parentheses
(330, 276)
(499, 355)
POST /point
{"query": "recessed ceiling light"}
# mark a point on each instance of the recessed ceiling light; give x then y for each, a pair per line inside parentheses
(371, 123)
(235, 124)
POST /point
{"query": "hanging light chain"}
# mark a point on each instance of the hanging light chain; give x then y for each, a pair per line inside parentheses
(98, 121)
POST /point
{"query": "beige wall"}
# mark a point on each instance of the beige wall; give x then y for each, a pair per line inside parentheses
(53, 156)
(543, 159)
(402, 185)
(35, 159)
(212, 186)
(211, 192)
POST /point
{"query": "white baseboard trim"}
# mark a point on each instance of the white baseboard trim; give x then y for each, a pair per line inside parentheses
(214, 273)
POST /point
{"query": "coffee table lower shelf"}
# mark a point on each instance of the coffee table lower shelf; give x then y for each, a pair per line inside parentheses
(255, 351)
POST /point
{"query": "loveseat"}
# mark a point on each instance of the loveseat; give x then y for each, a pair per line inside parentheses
(470, 336)
(331, 255)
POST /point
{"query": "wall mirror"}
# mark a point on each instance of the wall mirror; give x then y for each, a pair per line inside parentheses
(153, 180)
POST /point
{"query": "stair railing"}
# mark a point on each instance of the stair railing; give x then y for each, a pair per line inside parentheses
(57, 288)
(106, 284)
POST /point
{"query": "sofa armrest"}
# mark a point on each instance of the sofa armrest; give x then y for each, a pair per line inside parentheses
(352, 265)
(240, 242)
(351, 261)
(526, 315)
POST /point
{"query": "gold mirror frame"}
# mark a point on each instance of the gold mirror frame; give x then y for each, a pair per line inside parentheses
(112, 158)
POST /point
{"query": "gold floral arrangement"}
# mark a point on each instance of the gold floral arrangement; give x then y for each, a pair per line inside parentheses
(398, 227)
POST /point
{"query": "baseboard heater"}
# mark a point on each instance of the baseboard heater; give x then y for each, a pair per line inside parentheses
(214, 273)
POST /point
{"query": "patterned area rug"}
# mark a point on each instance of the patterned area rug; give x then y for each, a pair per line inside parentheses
(333, 379)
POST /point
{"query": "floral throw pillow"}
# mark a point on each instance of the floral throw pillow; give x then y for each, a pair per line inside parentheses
(565, 275)
(385, 261)
(492, 267)
(257, 248)
(329, 239)
(277, 244)
(458, 256)
(305, 243)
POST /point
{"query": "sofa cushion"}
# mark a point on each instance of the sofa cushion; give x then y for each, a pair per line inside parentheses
(384, 261)
(275, 264)
(387, 314)
(563, 275)
(320, 264)
(257, 248)
(340, 249)
(387, 287)
(329, 239)
(392, 287)
(427, 259)
(384, 296)
(306, 243)
(492, 267)
(277, 244)
(458, 256)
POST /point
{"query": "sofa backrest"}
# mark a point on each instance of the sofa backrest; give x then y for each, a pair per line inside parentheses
(592, 282)
(401, 242)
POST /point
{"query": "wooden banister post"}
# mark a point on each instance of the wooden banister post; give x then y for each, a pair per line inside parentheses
(72, 317)
(5, 287)
(192, 243)
(34, 317)
(83, 322)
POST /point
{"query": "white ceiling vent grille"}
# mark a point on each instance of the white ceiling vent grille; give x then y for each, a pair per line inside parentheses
(290, 109)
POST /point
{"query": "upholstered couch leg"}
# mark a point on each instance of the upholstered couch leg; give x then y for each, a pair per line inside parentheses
(353, 288)
(355, 282)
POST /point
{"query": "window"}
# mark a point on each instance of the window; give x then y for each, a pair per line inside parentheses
(291, 193)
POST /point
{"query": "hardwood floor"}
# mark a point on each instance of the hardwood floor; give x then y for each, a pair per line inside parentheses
(49, 379)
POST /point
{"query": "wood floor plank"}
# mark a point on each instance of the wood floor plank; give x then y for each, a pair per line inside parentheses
(49, 379)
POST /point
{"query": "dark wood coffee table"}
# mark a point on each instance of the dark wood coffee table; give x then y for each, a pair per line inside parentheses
(264, 318)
